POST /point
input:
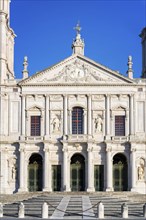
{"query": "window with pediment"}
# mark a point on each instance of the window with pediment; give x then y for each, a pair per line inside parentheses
(35, 125)
(77, 120)
(120, 125)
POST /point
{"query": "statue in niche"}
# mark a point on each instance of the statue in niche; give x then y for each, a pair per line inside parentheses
(13, 168)
(140, 170)
(56, 124)
(13, 172)
(98, 124)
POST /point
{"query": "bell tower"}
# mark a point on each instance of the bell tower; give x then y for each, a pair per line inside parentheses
(143, 42)
(6, 44)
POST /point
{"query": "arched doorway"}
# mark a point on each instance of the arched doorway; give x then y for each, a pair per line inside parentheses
(77, 173)
(35, 173)
(120, 173)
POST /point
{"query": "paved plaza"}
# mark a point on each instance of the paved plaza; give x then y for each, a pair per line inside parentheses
(74, 205)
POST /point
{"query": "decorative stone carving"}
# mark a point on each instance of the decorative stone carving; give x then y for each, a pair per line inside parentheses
(77, 72)
(78, 147)
(98, 97)
(98, 122)
(140, 170)
(56, 97)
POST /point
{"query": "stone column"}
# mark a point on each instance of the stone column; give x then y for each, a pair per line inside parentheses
(46, 173)
(70, 121)
(23, 118)
(90, 169)
(66, 181)
(65, 118)
(131, 107)
(9, 115)
(42, 132)
(133, 167)
(4, 187)
(47, 118)
(85, 121)
(89, 114)
(21, 168)
(126, 123)
(109, 169)
(107, 116)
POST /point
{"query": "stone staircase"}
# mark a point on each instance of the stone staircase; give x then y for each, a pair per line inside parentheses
(74, 205)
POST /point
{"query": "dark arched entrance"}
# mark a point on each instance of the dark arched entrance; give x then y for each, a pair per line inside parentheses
(77, 173)
(35, 173)
(120, 173)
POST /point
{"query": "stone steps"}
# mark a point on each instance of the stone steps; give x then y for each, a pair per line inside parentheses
(76, 206)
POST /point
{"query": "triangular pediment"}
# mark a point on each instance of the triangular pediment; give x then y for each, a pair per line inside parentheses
(76, 69)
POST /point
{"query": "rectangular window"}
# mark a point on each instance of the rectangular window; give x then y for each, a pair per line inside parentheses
(77, 120)
(35, 125)
(120, 125)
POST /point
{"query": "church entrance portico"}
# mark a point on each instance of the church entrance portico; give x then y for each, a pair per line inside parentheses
(35, 171)
(77, 173)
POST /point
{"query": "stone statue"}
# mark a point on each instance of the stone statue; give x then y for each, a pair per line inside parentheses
(13, 169)
(56, 124)
(141, 172)
(13, 172)
(98, 124)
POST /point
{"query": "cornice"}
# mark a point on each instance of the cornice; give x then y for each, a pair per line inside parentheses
(81, 85)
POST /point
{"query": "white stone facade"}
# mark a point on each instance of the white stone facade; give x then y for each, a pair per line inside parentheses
(95, 158)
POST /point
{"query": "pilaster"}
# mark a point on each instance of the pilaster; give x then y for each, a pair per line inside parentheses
(132, 118)
(66, 169)
(89, 101)
(47, 170)
(90, 169)
(65, 116)
(47, 115)
(85, 121)
(133, 167)
(107, 117)
(3, 169)
(23, 116)
(21, 168)
(109, 170)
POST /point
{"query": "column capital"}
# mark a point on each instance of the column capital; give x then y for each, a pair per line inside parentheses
(133, 148)
(90, 148)
(22, 147)
(65, 95)
(65, 148)
(46, 95)
(89, 95)
(108, 148)
(22, 95)
(108, 95)
(46, 148)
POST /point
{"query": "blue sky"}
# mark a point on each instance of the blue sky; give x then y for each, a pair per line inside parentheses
(110, 29)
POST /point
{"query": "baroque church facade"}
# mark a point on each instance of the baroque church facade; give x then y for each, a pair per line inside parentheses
(75, 126)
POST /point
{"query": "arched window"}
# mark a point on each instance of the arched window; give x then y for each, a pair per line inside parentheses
(77, 120)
